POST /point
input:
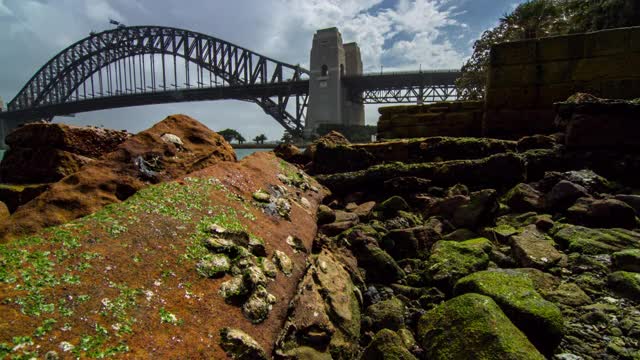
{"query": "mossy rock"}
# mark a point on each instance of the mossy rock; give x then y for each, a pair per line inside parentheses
(515, 292)
(452, 260)
(392, 205)
(233, 288)
(380, 267)
(213, 265)
(325, 215)
(387, 314)
(627, 260)
(306, 353)
(473, 327)
(626, 284)
(585, 240)
(240, 346)
(387, 345)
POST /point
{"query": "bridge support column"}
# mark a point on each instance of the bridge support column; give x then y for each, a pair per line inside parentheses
(328, 98)
(6, 127)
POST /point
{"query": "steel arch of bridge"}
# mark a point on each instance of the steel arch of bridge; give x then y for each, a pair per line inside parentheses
(75, 79)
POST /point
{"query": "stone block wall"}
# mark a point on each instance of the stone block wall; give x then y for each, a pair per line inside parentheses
(459, 118)
(527, 77)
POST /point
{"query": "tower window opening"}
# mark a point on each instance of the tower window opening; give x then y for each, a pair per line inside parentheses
(341, 69)
(325, 70)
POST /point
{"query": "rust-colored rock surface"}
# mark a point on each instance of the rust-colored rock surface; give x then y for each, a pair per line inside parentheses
(82, 140)
(46, 152)
(125, 280)
(143, 159)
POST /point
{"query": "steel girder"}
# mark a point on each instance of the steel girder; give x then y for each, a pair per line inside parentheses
(415, 95)
(76, 73)
(403, 87)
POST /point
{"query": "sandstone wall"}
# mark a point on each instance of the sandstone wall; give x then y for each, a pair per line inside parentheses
(527, 77)
(461, 118)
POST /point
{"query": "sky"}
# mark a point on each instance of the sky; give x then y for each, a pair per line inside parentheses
(392, 35)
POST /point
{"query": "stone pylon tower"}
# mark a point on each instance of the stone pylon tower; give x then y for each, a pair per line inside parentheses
(328, 98)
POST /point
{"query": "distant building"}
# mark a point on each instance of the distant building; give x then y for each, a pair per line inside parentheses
(328, 99)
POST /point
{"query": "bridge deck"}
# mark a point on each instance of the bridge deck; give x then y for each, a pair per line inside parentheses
(242, 92)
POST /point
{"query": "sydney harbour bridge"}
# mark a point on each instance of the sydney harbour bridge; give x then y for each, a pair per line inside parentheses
(142, 65)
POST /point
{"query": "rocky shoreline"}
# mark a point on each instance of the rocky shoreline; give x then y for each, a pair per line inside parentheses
(534, 263)
(430, 248)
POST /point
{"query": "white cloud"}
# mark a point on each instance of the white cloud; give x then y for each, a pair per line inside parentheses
(4, 10)
(100, 10)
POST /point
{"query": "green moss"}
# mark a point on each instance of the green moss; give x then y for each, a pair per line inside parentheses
(472, 326)
(451, 260)
(626, 284)
(515, 292)
(387, 345)
(387, 314)
(627, 260)
(596, 241)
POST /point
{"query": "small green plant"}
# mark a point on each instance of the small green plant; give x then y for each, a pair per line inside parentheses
(169, 318)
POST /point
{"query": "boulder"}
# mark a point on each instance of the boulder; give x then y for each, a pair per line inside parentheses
(387, 314)
(523, 197)
(39, 165)
(588, 179)
(47, 152)
(240, 346)
(452, 260)
(538, 318)
(626, 284)
(631, 200)
(392, 205)
(472, 326)
(595, 241)
(481, 208)
(141, 160)
(331, 139)
(380, 267)
(364, 210)
(87, 141)
(325, 313)
(325, 215)
(569, 294)
(290, 153)
(564, 194)
(533, 249)
(626, 260)
(607, 213)
(408, 243)
(386, 344)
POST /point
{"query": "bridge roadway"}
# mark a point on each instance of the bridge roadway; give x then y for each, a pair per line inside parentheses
(363, 88)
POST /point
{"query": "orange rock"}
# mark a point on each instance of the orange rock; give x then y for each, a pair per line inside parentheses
(139, 161)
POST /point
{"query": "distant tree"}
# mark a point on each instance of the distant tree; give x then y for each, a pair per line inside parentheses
(602, 14)
(260, 139)
(287, 138)
(231, 135)
(540, 18)
(532, 19)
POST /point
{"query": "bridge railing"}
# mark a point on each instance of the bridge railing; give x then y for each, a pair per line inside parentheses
(411, 72)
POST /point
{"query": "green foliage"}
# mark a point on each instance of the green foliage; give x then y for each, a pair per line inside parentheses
(231, 135)
(540, 18)
(260, 139)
